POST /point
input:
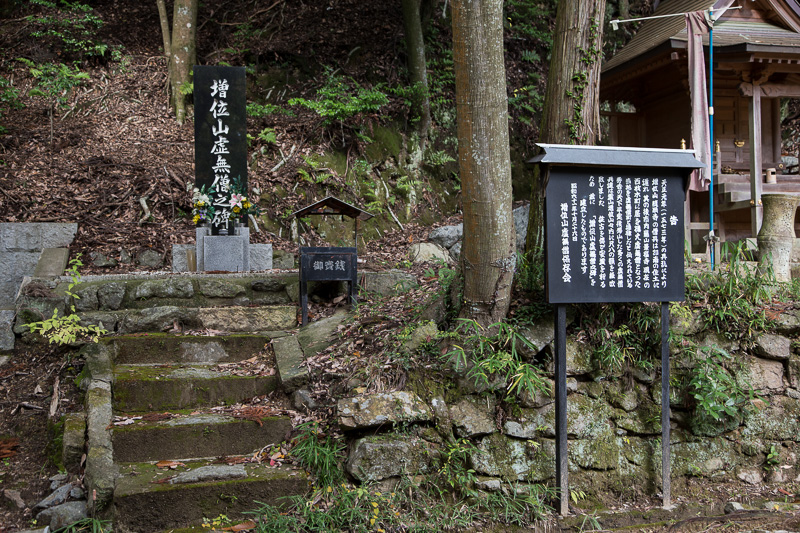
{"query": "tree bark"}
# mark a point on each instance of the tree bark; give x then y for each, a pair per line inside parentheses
(182, 53)
(572, 105)
(488, 255)
(164, 19)
(417, 68)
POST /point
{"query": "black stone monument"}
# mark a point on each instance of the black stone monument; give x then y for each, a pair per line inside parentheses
(220, 147)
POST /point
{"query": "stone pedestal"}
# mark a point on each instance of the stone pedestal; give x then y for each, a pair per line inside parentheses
(230, 253)
(776, 238)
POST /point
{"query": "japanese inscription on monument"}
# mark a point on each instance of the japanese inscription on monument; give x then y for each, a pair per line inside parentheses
(618, 233)
(220, 137)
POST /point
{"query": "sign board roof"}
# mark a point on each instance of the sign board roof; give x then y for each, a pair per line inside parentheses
(613, 156)
(333, 206)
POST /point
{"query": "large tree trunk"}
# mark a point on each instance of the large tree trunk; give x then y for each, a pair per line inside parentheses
(417, 68)
(571, 106)
(488, 255)
(180, 49)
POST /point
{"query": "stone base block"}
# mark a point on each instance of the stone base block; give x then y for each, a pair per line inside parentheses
(224, 252)
(259, 256)
(181, 254)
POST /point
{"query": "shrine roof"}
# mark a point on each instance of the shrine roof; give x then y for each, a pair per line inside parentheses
(761, 24)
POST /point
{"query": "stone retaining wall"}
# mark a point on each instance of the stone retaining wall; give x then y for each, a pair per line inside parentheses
(613, 423)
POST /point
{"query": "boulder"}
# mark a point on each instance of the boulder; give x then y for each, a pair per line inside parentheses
(217, 288)
(164, 288)
(766, 375)
(371, 410)
(110, 295)
(521, 215)
(387, 283)
(381, 457)
(428, 252)
(63, 515)
(771, 346)
(513, 460)
(601, 452)
(425, 332)
(86, 298)
(455, 251)
(473, 416)
(588, 417)
(102, 260)
(150, 258)
(446, 236)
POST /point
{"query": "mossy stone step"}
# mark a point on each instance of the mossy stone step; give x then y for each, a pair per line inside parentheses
(153, 348)
(199, 435)
(147, 498)
(142, 388)
(162, 318)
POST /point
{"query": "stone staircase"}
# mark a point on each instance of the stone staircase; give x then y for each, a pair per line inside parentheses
(186, 401)
(182, 452)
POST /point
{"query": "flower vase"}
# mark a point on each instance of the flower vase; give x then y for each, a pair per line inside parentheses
(228, 229)
(776, 237)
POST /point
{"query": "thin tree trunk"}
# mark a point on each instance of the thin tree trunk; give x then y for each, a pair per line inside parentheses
(572, 106)
(488, 254)
(417, 68)
(182, 52)
(162, 16)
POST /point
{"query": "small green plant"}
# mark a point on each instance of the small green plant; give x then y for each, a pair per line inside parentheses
(186, 88)
(268, 135)
(218, 522)
(773, 458)
(256, 110)
(71, 26)
(88, 525)
(453, 469)
(520, 506)
(733, 298)
(320, 453)
(67, 329)
(496, 351)
(720, 401)
(623, 336)
(342, 99)
(9, 99)
(590, 523)
(54, 81)
(438, 157)
(695, 471)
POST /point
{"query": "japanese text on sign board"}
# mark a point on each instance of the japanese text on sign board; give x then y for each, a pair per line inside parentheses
(614, 236)
(339, 264)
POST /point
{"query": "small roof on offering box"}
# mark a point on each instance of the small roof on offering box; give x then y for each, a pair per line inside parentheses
(333, 206)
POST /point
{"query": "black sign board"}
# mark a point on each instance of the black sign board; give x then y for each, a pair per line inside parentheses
(326, 264)
(614, 234)
(220, 148)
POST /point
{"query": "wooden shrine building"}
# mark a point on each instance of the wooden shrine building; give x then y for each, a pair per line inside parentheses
(756, 65)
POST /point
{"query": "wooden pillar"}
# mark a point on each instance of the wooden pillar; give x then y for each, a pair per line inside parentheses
(755, 160)
(776, 130)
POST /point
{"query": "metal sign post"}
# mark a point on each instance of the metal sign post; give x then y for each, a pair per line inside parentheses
(614, 233)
